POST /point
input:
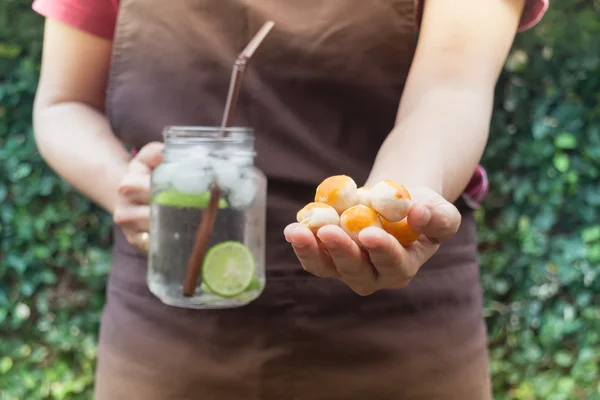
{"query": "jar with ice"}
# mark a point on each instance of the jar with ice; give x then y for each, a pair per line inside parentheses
(231, 272)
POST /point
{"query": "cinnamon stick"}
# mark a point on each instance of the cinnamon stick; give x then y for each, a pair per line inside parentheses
(201, 242)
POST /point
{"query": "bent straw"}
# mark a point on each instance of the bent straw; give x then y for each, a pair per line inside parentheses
(210, 213)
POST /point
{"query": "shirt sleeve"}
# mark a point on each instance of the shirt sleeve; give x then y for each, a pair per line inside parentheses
(96, 17)
(532, 13)
(477, 189)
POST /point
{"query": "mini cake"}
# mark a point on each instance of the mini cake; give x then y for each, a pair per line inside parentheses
(315, 215)
(339, 191)
(357, 218)
(391, 200)
(403, 233)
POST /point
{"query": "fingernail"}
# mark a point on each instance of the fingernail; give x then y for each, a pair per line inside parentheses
(298, 245)
(367, 245)
(370, 244)
(425, 218)
(331, 245)
(427, 214)
(288, 233)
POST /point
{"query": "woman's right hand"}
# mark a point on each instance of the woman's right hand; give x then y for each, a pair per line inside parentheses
(132, 211)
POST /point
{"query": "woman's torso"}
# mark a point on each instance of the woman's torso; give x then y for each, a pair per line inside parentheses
(321, 94)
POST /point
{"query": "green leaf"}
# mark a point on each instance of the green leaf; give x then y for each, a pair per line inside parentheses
(22, 171)
(3, 193)
(563, 358)
(561, 162)
(9, 51)
(6, 363)
(565, 385)
(591, 234)
(593, 253)
(565, 141)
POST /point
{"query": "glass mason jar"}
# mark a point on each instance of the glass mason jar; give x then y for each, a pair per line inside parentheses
(231, 272)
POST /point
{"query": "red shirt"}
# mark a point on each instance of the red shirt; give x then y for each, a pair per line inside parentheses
(98, 17)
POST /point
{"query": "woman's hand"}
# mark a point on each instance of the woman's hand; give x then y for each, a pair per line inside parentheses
(132, 211)
(385, 264)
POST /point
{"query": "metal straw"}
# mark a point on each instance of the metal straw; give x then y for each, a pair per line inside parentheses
(210, 213)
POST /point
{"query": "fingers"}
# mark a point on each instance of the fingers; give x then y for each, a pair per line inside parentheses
(380, 261)
(150, 155)
(422, 250)
(437, 222)
(313, 258)
(387, 264)
(135, 185)
(141, 240)
(132, 213)
(148, 158)
(136, 188)
(134, 220)
(133, 217)
(389, 258)
(351, 263)
(342, 258)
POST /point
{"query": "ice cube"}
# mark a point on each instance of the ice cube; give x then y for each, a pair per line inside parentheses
(227, 174)
(235, 156)
(161, 176)
(192, 180)
(242, 195)
(195, 155)
(242, 160)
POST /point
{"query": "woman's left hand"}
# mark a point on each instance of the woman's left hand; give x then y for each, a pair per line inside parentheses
(385, 264)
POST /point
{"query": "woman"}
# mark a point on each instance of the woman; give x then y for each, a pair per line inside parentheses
(338, 87)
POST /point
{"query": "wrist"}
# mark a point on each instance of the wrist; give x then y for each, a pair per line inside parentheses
(411, 170)
(435, 143)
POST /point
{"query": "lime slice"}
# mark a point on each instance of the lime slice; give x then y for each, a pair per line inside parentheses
(254, 285)
(174, 198)
(228, 269)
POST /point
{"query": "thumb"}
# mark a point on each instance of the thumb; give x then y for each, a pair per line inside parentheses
(149, 156)
(437, 222)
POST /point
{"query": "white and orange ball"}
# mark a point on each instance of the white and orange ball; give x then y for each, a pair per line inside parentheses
(316, 215)
(339, 191)
(404, 234)
(357, 218)
(363, 196)
(391, 200)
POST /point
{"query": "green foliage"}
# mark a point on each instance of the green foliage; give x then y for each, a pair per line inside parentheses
(540, 229)
(539, 237)
(53, 258)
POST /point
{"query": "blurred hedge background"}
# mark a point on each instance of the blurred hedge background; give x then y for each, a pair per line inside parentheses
(539, 238)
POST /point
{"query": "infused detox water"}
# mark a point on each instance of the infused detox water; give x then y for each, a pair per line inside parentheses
(232, 270)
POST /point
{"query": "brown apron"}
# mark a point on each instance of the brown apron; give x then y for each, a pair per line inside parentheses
(322, 93)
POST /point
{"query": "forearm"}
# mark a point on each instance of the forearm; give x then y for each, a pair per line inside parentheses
(77, 142)
(438, 139)
(444, 116)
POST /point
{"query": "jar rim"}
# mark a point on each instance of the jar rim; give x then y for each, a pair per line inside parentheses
(207, 133)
